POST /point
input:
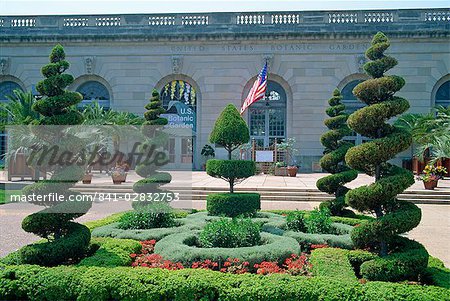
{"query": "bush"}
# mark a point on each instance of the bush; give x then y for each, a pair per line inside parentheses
(408, 263)
(226, 233)
(233, 204)
(230, 170)
(332, 263)
(112, 252)
(230, 130)
(319, 221)
(126, 283)
(154, 215)
(191, 222)
(295, 221)
(181, 247)
(72, 247)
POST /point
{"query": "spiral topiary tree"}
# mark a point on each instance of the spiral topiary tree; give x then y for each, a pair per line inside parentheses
(230, 131)
(67, 240)
(155, 138)
(333, 158)
(399, 258)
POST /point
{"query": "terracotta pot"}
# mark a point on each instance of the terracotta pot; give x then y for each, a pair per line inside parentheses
(292, 171)
(119, 179)
(430, 185)
(87, 178)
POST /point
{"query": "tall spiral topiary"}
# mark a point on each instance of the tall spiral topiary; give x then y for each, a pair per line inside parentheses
(334, 154)
(155, 139)
(67, 240)
(399, 258)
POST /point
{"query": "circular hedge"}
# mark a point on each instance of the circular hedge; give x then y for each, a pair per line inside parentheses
(181, 247)
(233, 204)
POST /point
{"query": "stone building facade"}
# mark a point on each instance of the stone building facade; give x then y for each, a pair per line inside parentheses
(200, 62)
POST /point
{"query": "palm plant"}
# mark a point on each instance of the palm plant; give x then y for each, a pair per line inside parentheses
(429, 131)
(18, 110)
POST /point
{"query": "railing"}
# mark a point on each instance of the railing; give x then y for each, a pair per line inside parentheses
(247, 20)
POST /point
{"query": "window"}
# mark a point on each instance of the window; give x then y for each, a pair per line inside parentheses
(267, 117)
(7, 88)
(352, 104)
(442, 97)
(94, 91)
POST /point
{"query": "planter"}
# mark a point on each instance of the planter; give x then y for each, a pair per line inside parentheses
(430, 185)
(281, 171)
(87, 178)
(292, 171)
(119, 179)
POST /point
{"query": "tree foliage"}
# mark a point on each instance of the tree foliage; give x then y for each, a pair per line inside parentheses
(334, 154)
(393, 217)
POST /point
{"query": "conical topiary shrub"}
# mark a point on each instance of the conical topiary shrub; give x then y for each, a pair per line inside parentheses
(230, 131)
(155, 140)
(67, 240)
(399, 258)
(334, 154)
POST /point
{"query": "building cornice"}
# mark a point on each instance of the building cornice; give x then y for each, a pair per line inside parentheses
(312, 25)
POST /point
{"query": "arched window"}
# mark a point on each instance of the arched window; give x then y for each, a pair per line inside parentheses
(267, 117)
(352, 104)
(179, 98)
(442, 97)
(7, 88)
(94, 91)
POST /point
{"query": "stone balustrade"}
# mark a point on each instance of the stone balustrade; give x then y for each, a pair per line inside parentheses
(260, 22)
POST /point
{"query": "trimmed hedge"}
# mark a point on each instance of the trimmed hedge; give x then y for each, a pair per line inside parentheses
(73, 246)
(181, 248)
(124, 283)
(332, 263)
(233, 204)
(112, 252)
(193, 221)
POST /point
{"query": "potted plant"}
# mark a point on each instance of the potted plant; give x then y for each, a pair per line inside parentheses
(207, 152)
(118, 175)
(280, 169)
(440, 171)
(87, 178)
(289, 147)
(429, 181)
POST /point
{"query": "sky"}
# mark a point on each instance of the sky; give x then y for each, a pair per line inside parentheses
(67, 7)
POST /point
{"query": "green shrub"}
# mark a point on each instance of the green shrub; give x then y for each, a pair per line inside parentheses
(234, 233)
(399, 258)
(319, 221)
(438, 273)
(307, 239)
(230, 170)
(233, 204)
(74, 246)
(126, 283)
(191, 222)
(334, 155)
(104, 221)
(181, 247)
(295, 221)
(112, 252)
(153, 215)
(332, 263)
(230, 130)
(408, 263)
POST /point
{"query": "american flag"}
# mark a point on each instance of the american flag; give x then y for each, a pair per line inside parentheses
(258, 90)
